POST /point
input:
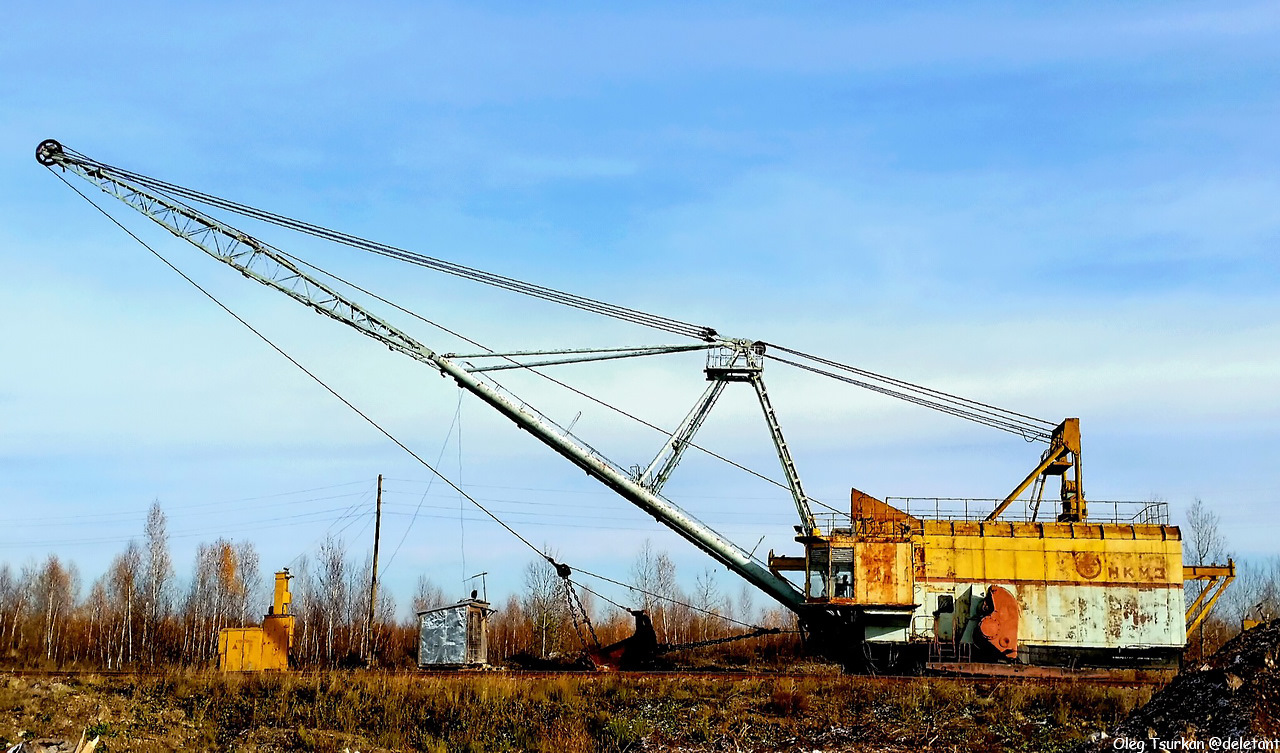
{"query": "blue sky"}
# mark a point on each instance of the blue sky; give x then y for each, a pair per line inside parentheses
(1065, 210)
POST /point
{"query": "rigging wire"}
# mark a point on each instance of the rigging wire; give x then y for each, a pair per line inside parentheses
(548, 377)
(936, 399)
(655, 321)
(350, 512)
(1027, 431)
(982, 413)
(249, 527)
(188, 511)
(1026, 426)
(301, 367)
(368, 418)
(462, 526)
(361, 414)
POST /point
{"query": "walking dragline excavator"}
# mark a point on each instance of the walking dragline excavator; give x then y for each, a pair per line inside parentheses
(949, 583)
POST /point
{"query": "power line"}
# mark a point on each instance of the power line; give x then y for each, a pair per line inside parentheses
(115, 517)
(439, 457)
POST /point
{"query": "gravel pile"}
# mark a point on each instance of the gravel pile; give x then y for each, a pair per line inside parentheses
(1232, 695)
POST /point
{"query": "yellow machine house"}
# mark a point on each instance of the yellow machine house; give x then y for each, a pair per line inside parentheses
(266, 648)
(952, 582)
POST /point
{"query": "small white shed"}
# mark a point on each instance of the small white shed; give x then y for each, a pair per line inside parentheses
(456, 635)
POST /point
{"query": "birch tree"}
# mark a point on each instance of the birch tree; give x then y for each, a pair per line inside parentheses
(157, 584)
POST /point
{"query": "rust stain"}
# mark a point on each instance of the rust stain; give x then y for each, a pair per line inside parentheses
(876, 571)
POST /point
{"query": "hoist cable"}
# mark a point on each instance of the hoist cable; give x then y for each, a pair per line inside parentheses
(368, 419)
(978, 412)
(1026, 426)
(306, 371)
(936, 398)
(670, 325)
(599, 595)
(1025, 433)
(548, 377)
(677, 602)
(664, 323)
(655, 321)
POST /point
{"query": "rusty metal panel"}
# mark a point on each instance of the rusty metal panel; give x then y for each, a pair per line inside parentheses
(1100, 616)
(1076, 585)
(1029, 564)
(999, 561)
(932, 527)
(1053, 560)
(940, 561)
(997, 528)
(883, 573)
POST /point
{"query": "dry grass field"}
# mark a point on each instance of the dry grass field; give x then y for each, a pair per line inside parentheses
(370, 712)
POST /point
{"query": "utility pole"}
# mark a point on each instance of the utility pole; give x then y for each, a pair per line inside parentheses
(373, 584)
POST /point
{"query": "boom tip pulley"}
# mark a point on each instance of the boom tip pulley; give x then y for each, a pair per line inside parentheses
(48, 151)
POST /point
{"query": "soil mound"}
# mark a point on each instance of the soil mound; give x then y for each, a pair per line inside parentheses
(1232, 695)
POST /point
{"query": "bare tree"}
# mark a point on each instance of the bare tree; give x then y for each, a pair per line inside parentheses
(668, 593)
(427, 595)
(357, 614)
(255, 601)
(156, 589)
(331, 593)
(13, 602)
(97, 610)
(308, 609)
(544, 604)
(1205, 541)
(1204, 544)
(706, 595)
(122, 588)
(746, 606)
(653, 574)
(55, 592)
(644, 575)
(1255, 594)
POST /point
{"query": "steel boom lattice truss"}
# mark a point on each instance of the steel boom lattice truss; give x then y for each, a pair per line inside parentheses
(261, 262)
